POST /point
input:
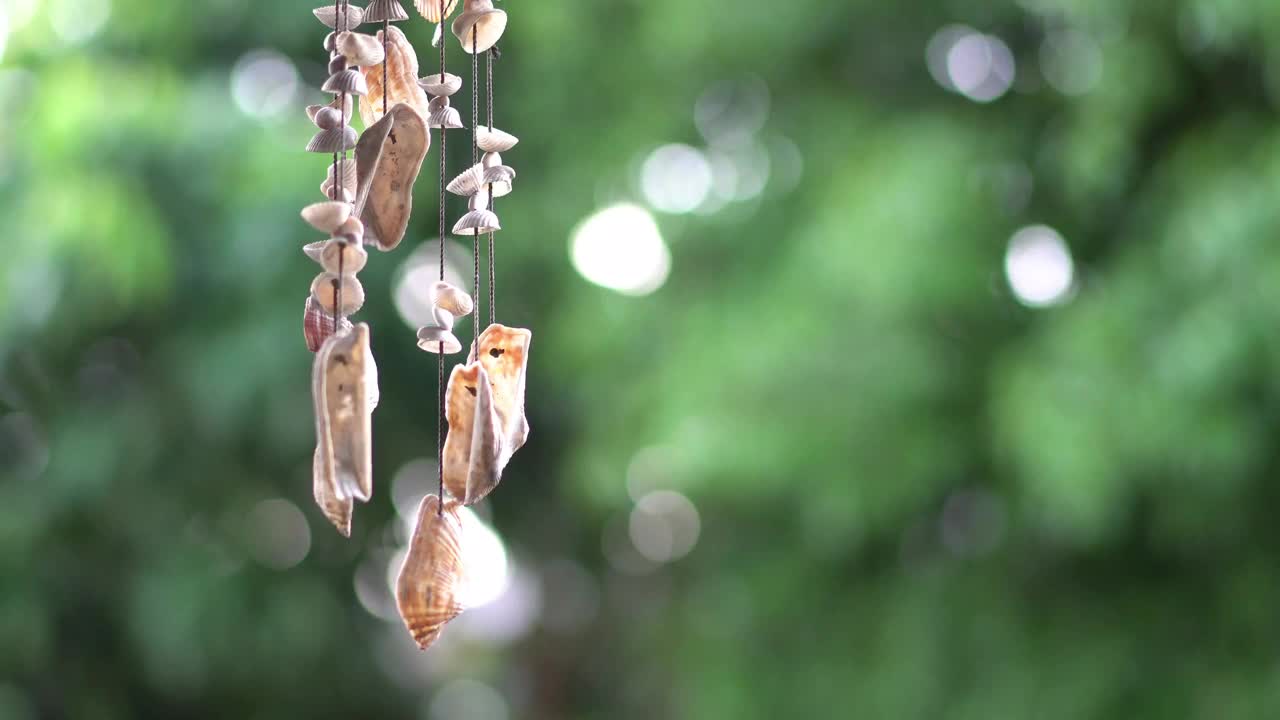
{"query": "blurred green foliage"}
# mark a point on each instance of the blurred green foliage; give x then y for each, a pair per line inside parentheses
(918, 498)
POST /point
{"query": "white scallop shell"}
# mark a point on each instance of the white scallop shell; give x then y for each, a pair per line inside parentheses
(430, 9)
(432, 338)
(476, 222)
(379, 10)
(326, 216)
(494, 140)
(354, 15)
(472, 180)
(489, 25)
(445, 119)
(349, 82)
(324, 292)
(353, 257)
(451, 298)
(360, 50)
(437, 87)
(333, 140)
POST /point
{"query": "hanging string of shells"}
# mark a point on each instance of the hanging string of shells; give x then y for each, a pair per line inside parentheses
(368, 202)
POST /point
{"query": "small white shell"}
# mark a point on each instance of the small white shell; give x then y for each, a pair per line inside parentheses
(313, 250)
(489, 25)
(494, 140)
(333, 140)
(472, 180)
(353, 16)
(437, 87)
(491, 159)
(442, 318)
(326, 189)
(479, 201)
(327, 118)
(326, 216)
(432, 338)
(324, 291)
(353, 257)
(445, 119)
(359, 49)
(379, 10)
(476, 222)
(430, 9)
(348, 174)
(451, 298)
(500, 178)
(352, 231)
(312, 110)
(350, 82)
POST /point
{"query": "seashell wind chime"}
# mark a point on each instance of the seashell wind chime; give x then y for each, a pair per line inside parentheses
(369, 198)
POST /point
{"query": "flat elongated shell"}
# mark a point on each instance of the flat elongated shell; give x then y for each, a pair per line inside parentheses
(338, 511)
(431, 9)
(346, 81)
(438, 340)
(489, 25)
(477, 222)
(388, 159)
(429, 586)
(351, 16)
(471, 448)
(326, 216)
(494, 140)
(333, 140)
(440, 86)
(317, 325)
(451, 298)
(359, 49)
(402, 80)
(342, 400)
(379, 10)
(325, 293)
(504, 354)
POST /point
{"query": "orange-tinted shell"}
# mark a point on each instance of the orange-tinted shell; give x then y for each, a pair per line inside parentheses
(428, 587)
(471, 448)
(504, 353)
(402, 80)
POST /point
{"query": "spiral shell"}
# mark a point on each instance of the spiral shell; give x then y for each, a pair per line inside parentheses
(429, 586)
(350, 82)
(494, 140)
(438, 340)
(439, 86)
(324, 291)
(337, 510)
(488, 25)
(453, 299)
(326, 216)
(328, 14)
(317, 325)
(333, 140)
(476, 222)
(402, 80)
(379, 10)
(430, 9)
(359, 49)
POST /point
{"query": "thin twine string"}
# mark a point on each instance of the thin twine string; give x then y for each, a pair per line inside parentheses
(488, 59)
(475, 148)
(440, 345)
(386, 30)
(341, 11)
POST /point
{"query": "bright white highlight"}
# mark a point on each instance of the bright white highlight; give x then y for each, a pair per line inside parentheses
(264, 83)
(675, 178)
(664, 526)
(76, 21)
(967, 62)
(1039, 267)
(620, 248)
(485, 558)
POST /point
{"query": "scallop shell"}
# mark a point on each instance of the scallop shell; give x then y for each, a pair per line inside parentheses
(353, 16)
(488, 24)
(479, 201)
(332, 141)
(445, 118)
(386, 172)
(327, 118)
(471, 448)
(494, 140)
(317, 325)
(352, 231)
(347, 81)
(359, 49)
(340, 391)
(504, 354)
(312, 250)
(434, 85)
(445, 295)
(326, 216)
(380, 10)
(402, 79)
(352, 257)
(472, 181)
(348, 173)
(491, 159)
(500, 177)
(476, 222)
(431, 9)
(429, 586)
(312, 110)
(324, 291)
(442, 318)
(437, 339)
(337, 63)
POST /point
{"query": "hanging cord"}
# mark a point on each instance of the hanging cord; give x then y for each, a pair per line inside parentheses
(341, 10)
(475, 234)
(386, 30)
(488, 61)
(440, 345)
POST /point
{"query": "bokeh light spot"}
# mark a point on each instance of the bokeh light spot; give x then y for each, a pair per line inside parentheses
(978, 66)
(76, 21)
(675, 178)
(279, 536)
(664, 526)
(264, 83)
(1039, 267)
(620, 248)
(468, 700)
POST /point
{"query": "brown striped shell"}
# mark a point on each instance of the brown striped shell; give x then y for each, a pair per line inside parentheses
(430, 581)
(402, 80)
(317, 325)
(471, 448)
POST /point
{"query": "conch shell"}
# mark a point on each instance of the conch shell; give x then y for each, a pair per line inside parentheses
(430, 581)
(340, 390)
(471, 447)
(504, 354)
(337, 510)
(402, 80)
(388, 159)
